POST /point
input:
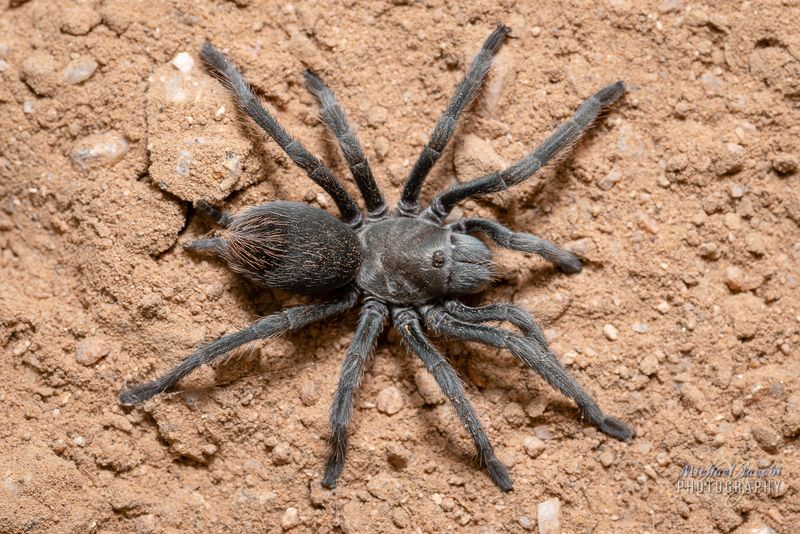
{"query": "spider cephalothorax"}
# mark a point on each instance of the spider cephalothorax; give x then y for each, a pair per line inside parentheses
(406, 265)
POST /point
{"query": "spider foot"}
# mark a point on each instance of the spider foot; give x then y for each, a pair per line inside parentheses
(499, 474)
(616, 429)
(139, 394)
(569, 262)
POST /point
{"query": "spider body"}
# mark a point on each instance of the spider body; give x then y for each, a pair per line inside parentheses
(406, 266)
(410, 261)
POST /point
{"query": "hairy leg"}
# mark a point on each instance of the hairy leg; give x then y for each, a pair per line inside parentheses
(222, 218)
(536, 355)
(334, 118)
(373, 318)
(563, 259)
(272, 325)
(559, 142)
(464, 94)
(248, 102)
(407, 324)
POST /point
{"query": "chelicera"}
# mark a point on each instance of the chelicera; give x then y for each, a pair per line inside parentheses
(405, 266)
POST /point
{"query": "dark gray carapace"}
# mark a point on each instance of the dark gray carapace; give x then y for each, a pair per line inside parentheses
(302, 249)
(405, 265)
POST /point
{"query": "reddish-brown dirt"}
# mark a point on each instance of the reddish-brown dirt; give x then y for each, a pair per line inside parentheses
(684, 200)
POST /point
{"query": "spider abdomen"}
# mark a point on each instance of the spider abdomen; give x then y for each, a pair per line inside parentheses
(292, 246)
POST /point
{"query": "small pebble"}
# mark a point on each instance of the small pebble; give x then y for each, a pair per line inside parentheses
(525, 522)
(90, 350)
(611, 332)
(606, 458)
(548, 516)
(709, 251)
(737, 190)
(663, 307)
(79, 70)
(183, 62)
(428, 388)
(389, 400)
(3, 65)
(282, 454)
(649, 365)
(766, 437)
(290, 519)
(98, 150)
(783, 163)
(607, 182)
(38, 71)
(738, 280)
(640, 328)
(533, 446)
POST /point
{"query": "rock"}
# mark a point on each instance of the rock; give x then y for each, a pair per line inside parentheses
(309, 394)
(663, 307)
(515, 415)
(606, 458)
(38, 71)
(183, 62)
(282, 454)
(533, 446)
(649, 365)
(737, 190)
(98, 150)
(746, 311)
(548, 516)
(385, 486)
(692, 396)
(766, 436)
(670, 6)
(79, 19)
(211, 156)
(90, 350)
(640, 328)
(783, 163)
(611, 332)
(78, 70)
(389, 400)
(709, 251)
(427, 387)
(738, 280)
(290, 518)
(791, 417)
(537, 406)
(607, 182)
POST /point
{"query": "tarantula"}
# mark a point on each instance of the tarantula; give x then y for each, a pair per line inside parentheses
(406, 264)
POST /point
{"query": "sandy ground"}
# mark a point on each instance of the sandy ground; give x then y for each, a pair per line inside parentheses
(685, 323)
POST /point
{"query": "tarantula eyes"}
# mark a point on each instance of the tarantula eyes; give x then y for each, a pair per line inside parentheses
(438, 259)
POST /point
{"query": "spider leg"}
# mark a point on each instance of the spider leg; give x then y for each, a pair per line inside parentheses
(214, 245)
(334, 118)
(464, 94)
(502, 236)
(222, 218)
(407, 323)
(563, 138)
(499, 311)
(269, 326)
(534, 353)
(370, 324)
(315, 169)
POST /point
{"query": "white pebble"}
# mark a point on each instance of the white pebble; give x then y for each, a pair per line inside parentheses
(79, 71)
(611, 332)
(183, 62)
(290, 518)
(99, 150)
(3, 66)
(549, 516)
(389, 401)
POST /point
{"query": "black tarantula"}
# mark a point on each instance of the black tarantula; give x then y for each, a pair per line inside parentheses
(407, 265)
